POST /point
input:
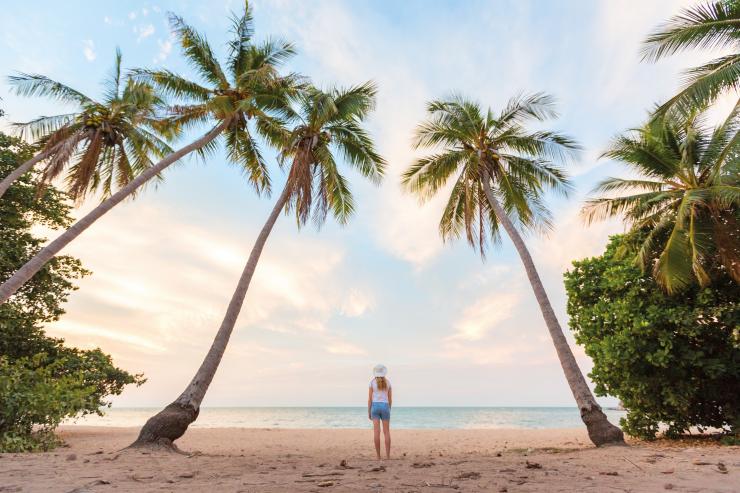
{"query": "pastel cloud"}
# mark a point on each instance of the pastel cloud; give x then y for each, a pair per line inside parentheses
(143, 31)
(325, 307)
(88, 50)
(484, 315)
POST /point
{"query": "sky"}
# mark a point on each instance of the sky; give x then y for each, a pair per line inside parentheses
(325, 306)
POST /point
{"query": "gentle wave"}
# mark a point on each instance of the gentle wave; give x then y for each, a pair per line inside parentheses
(356, 417)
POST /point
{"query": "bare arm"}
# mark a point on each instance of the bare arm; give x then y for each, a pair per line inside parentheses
(390, 397)
(369, 401)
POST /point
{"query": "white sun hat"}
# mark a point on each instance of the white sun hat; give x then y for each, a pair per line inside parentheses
(380, 371)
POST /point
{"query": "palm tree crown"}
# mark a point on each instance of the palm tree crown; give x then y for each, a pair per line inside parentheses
(103, 145)
(684, 208)
(480, 146)
(327, 121)
(502, 171)
(248, 89)
(708, 25)
(324, 121)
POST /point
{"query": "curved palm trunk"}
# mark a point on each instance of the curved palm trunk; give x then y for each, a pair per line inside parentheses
(34, 265)
(24, 168)
(171, 423)
(600, 430)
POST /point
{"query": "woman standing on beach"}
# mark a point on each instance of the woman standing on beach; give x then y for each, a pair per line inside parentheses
(379, 403)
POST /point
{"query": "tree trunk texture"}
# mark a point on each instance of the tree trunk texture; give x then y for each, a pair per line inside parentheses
(22, 275)
(168, 425)
(600, 430)
(24, 168)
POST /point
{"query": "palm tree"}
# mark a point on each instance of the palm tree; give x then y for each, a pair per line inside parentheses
(109, 143)
(706, 25)
(684, 209)
(501, 171)
(229, 104)
(326, 123)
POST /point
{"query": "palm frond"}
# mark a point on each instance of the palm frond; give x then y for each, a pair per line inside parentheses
(538, 106)
(113, 83)
(708, 25)
(703, 84)
(44, 126)
(543, 144)
(198, 52)
(39, 85)
(174, 85)
(358, 149)
(242, 29)
(427, 175)
(338, 196)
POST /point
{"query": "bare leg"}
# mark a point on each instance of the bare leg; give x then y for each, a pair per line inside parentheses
(387, 436)
(376, 436)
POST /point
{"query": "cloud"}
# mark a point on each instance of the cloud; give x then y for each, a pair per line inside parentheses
(323, 308)
(485, 315)
(88, 50)
(143, 31)
(618, 31)
(344, 348)
(165, 48)
(97, 333)
(356, 303)
(171, 299)
(572, 239)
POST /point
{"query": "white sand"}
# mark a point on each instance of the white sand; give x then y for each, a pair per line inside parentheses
(250, 460)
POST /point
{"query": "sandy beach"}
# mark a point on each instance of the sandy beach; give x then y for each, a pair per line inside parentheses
(272, 460)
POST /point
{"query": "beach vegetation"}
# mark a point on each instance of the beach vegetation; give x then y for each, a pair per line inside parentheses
(685, 195)
(235, 101)
(312, 128)
(500, 172)
(672, 361)
(709, 25)
(42, 380)
(101, 146)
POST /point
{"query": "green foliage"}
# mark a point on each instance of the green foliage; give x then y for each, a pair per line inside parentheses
(36, 399)
(42, 381)
(671, 360)
(103, 144)
(686, 197)
(327, 123)
(707, 25)
(246, 92)
(476, 145)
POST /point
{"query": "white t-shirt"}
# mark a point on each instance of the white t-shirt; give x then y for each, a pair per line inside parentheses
(380, 395)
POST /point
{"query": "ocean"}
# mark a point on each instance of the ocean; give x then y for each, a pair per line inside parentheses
(356, 417)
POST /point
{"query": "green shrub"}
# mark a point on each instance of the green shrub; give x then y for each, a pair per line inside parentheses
(35, 400)
(671, 360)
(42, 381)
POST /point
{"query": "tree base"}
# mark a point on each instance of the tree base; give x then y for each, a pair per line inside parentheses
(600, 430)
(161, 430)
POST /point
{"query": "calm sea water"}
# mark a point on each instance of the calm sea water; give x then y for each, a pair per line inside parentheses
(356, 417)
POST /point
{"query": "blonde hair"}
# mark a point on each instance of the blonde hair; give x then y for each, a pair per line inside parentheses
(381, 383)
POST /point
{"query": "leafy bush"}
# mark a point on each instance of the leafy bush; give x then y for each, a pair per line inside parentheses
(35, 400)
(671, 360)
(42, 381)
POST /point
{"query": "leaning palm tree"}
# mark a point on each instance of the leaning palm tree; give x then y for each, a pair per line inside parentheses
(684, 209)
(103, 145)
(326, 123)
(500, 171)
(235, 106)
(706, 25)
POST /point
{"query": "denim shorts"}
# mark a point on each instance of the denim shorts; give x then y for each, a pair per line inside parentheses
(381, 411)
